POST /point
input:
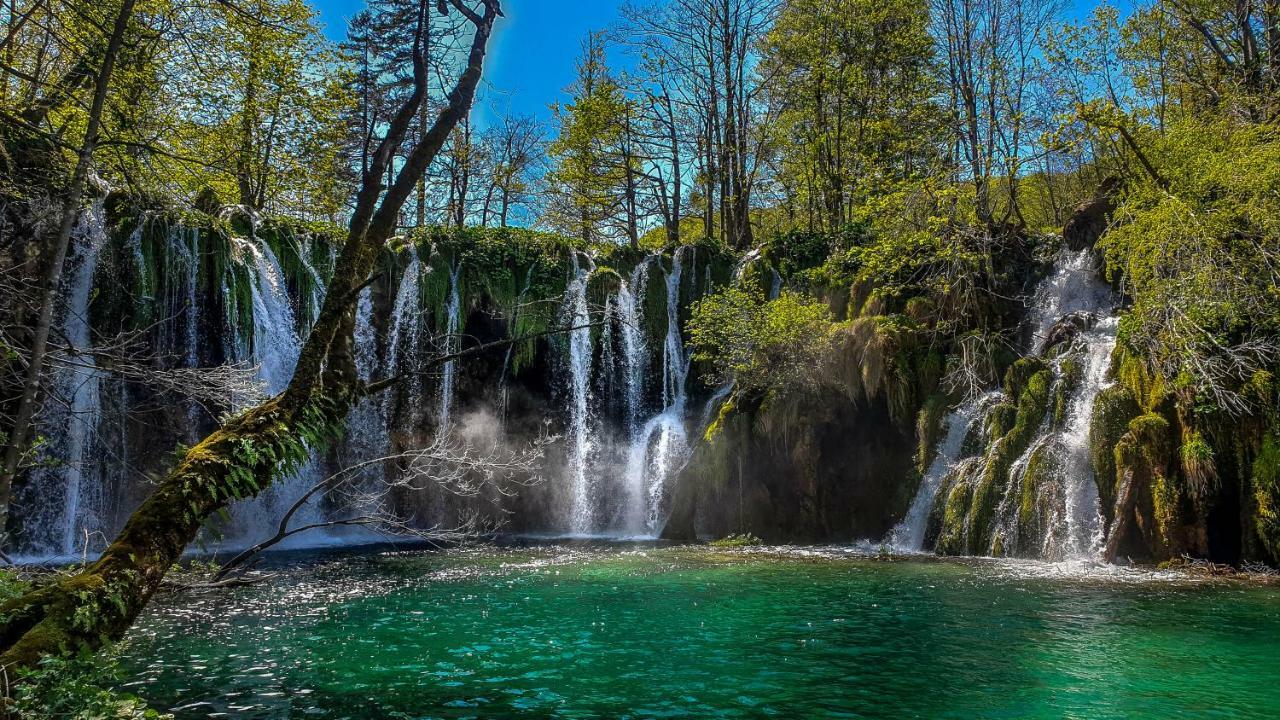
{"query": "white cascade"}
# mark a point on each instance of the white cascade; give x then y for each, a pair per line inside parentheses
(275, 351)
(635, 352)
(1076, 287)
(581, 441)
(74, 425)
(406, 330)
(1073, 287)
(908, 534)
(1084, 524)
(451, 345)
(660, 447)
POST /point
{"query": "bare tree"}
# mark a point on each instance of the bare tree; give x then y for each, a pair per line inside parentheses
(450, 463)
(515, 147)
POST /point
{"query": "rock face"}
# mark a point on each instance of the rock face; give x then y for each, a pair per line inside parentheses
(805, 468)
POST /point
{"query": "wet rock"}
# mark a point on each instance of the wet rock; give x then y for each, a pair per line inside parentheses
(1066, 329)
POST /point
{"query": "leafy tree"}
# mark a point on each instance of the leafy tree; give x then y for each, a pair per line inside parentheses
(855, 88)
(761, 344)
(586, 176)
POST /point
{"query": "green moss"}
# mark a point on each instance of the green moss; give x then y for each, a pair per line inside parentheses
(1266, 495)
(1070, 373)
(1033, 404)
(1114, 407)
(736, 541)
(999, 421)
(1020, 373)
(952, 539)
(929, 428)
(1032, 515)
(1198, 463)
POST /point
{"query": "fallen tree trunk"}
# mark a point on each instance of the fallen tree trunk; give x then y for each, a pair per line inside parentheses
(83, 611)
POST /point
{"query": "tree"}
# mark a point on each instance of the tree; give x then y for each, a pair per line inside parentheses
(586, 176)
(515, 146)
(250, 450)
(709, 45)
(990, 48)
(854, 92)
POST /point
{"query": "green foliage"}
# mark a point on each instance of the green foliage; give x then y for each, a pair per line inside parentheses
(1266, 495)
(77, 689)
(1196, 254)
(1112, 411)
(761, 343)
(516, 269)
(856, 90)
(588, 167)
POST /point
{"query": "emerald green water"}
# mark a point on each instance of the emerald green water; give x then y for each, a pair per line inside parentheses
(565, 632)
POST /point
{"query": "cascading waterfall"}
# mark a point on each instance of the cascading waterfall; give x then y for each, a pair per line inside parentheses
(275, 351)
(1075, 287)
(1076, 525)
(581, 442)
(635, 351)
(366, 436)
(406, 331)
(908, 534)
(619, 464)
(275, 343)
(621, 488)
(1083, 514)
(451, 343)
(661, 444)
(75, 424)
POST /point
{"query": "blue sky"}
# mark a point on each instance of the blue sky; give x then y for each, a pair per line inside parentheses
(532, 54)
(533, 49)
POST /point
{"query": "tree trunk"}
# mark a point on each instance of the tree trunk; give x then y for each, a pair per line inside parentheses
(54, 257)
(81, 612)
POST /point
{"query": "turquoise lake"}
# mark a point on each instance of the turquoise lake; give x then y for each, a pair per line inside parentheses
(591, 631)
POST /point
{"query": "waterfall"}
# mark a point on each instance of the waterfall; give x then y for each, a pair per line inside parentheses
(675, 362)
(367, 425)
(406, 330)
(275, 342)
(192, 257)
(1083, 513)
(1076, 525)
(73, 424)
(576, 314)
(275, 351)
(1073, 287)
(908, 534)
(635, 351)
(661, 445)
(451, 344)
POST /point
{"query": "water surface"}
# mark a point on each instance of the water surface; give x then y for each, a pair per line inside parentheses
(575, 632)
